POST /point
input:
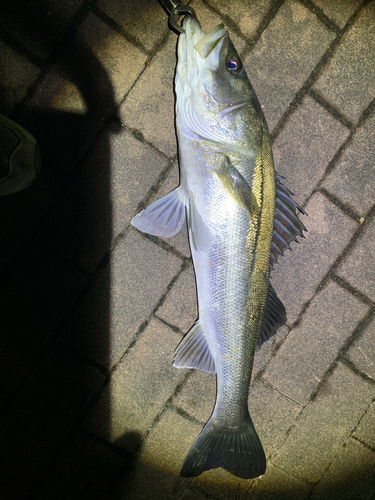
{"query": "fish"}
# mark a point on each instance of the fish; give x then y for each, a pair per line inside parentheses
(240, 218)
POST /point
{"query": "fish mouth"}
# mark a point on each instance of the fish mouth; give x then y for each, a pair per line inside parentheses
(210, 41)
(196, 53)
(196, 49)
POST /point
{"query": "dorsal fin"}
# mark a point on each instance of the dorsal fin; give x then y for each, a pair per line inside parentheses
(287, 225)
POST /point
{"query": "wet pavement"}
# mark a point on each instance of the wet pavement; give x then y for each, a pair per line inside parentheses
(92, 310)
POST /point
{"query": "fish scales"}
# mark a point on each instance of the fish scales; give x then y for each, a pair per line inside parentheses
(228, 189)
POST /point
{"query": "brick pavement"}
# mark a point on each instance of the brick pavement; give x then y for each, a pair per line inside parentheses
(90, 405)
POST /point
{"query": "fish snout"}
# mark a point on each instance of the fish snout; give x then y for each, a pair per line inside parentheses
(193, 29)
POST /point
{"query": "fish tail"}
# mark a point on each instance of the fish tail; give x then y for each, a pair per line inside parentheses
(238, 450)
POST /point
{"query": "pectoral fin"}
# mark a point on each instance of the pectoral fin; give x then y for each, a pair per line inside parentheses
(164, 217)
(235, 184)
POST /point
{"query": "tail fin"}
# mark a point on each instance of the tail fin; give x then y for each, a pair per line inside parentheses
(239, 451)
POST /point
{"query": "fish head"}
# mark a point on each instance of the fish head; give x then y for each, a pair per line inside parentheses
(215, 100)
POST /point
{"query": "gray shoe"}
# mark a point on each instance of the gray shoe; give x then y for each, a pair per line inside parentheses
(19, 157)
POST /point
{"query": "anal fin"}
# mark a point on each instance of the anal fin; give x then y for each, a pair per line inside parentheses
(193, 351)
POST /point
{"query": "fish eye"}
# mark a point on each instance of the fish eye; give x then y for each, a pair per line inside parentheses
(234, 65)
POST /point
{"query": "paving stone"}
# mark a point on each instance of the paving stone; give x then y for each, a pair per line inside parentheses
(161, 448)
(43, 413)
(84, 469)
(171, 182)
(144, 21)
(285, 56)
(17, 74)
(85, 85)
(277, 484)
(247, 15)
(219, 484)
(139, 388)
(298, 274)
(103, 199)
(149, 106)
(348, 81)
(121, 299)
(198, 394)
(35, 297)
(339, 11)
(272, 413)
(350, 475)
(264, 355)
(313, 345)
(358, 268)
(21, 212)
(180, 240)
(180, 307)
(365, 428)
(156, 472)
(362, 352)
(188, 494)
(353, 180)
(325, 424)
(305, 146)
(38, 29)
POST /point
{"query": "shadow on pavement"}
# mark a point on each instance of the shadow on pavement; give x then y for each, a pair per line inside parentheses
(54, 238)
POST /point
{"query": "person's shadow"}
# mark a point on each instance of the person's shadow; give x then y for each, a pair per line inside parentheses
(55, 238)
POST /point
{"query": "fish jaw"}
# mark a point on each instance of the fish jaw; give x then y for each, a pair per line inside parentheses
(196, 50)
(193, 103)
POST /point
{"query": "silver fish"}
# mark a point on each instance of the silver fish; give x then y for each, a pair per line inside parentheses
(240, 219)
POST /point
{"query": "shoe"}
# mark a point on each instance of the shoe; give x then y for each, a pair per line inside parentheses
(19, 157)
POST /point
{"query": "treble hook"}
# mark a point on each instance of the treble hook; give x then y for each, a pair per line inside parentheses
(174, 8)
